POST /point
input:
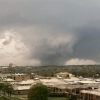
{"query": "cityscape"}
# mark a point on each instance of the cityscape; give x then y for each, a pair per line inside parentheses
(62, 85)
(49, 50)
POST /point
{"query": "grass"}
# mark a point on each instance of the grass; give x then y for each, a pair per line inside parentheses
(15, 98)
(57, 98)
(8, 98)
(50, 98)
(3, 98)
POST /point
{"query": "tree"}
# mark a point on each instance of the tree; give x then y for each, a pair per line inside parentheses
(6, 88)
(38, 92)
(1, 87)
(9, 89)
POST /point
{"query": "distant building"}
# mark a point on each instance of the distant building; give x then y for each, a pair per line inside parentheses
(64, 75)
(20, 77)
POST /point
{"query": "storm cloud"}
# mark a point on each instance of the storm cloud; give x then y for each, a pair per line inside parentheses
(47, 32)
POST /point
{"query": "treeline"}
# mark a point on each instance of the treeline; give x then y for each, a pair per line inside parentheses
(49, 71)
(79, 70)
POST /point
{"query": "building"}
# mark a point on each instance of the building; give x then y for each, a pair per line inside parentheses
(22, 87)
(64, 75)
(90, 94)
(61, 85)
(20, 77)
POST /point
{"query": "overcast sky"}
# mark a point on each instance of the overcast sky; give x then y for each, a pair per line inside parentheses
(49, 32)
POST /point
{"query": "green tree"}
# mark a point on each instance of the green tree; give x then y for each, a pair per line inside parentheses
(9, 89)
(38, 92)
(1, 87)
(6, 88)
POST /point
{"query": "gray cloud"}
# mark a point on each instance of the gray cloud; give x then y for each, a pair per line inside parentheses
(88, 45)
(54, 31)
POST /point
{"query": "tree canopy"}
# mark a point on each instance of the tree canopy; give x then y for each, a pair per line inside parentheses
(38, 92)
(6, 88)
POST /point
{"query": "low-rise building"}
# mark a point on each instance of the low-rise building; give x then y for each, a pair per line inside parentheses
(20, 77)
(22, 87)
(64, 75)
(90, 94)
(60, 85)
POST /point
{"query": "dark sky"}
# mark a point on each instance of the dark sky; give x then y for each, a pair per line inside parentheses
(43, 32)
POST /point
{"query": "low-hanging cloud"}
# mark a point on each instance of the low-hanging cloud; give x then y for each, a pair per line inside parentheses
(77, 61)
(12, 49)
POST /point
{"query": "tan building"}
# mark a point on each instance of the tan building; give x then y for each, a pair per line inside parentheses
(22, 87)
(20, 77)
(90, 95)
(64, 75)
